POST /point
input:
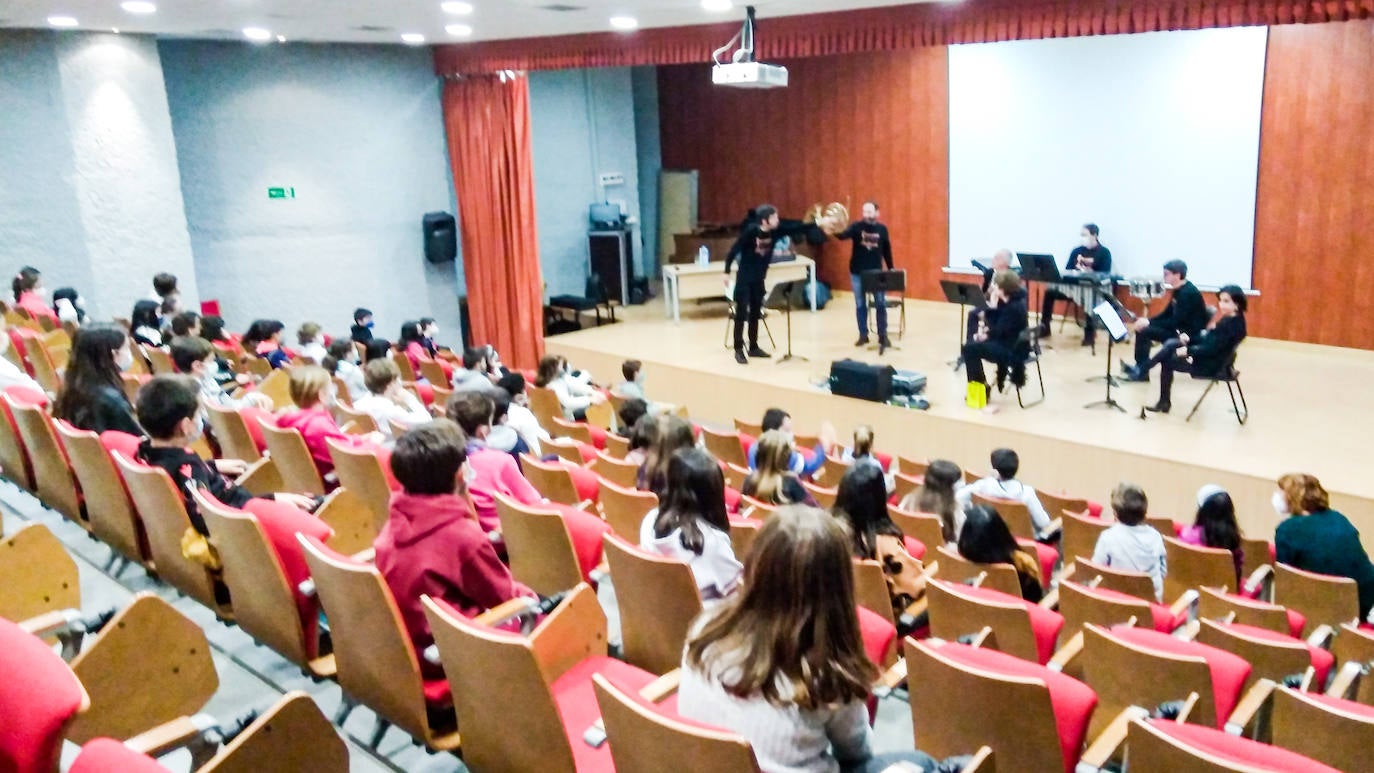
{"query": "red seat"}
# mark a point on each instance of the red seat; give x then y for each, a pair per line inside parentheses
(586, 531)
(39, 695)
(1071, 700)
(105, 755)
(1228, 671)
(1240, 751)
(599, 444)
(26, 396)
(1341, 704)
(1046, 556)
(1322, 660)
(575, 698)
(732, 498)
(1045, 623)
(281, 522)
(914, 547)
(587, 483)
(251, 416)
(746, 442)
(437, 692)
(879, 635)
(884, 459)
(122, 442)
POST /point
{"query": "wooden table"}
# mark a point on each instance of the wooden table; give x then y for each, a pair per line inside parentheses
(690, 281)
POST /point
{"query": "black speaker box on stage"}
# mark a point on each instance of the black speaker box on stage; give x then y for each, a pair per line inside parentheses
(441, 237)
(852, 378)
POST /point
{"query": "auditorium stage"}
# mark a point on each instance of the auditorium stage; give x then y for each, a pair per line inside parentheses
(1307, 409)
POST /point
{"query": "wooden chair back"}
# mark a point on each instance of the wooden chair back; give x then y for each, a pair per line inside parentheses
(1268, 658)
(360, 472)
(752, 429)
(1150, 748)
(160, 361)
(291, 736)
(516, 728)
(957, 708)
(14, 457)
(1016, 515)
(292, 458)
(1217, 605)
(955, 613)
(725, 446)
(539, 547)
(277, 386)
(132, 383)
(1136, 584)
(601, 415)
(544, 405)
(611, 468)
(52, 475)
(1057, 504)
(658, 600)
(108, 506)
(36, 574)
(403, 364)
(1256, 555)
(735, 475)
(1328, 733)
(923, 527)
(150, 665)
(625, 508)
(824, 495)
(616, 446)
(362, 423)
(551, 479)
(564, 448)
(163, 513)
(912, 467)
(1194, 566)
(832, 470)
(375, 662)
(342, 397)
(44, 366)
(1353, 644)
(1323, 599)
(903, 485)
(743, 532)
(1114, 669)
(433, 372)
(954, 568)
(803, 440)
(1081, 605)
(231, 432)
(255, 366)
(571, 429)
(1162, 524)
(642, 738)
(870, 589)
(1080, 534)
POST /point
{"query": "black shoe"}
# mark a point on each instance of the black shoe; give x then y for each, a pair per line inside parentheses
(863, 341)
(755, 351)
(1132, 373)
(740, 358)
(1043, 331)
(883, 345)
(1089, 341)
(1160, 407)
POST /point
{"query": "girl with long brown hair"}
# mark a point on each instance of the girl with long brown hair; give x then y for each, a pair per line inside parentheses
(773, 481)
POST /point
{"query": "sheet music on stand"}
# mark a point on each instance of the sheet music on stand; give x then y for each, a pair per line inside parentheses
(1116, 327)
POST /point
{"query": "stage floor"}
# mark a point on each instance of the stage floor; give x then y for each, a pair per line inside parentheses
(1306, 413)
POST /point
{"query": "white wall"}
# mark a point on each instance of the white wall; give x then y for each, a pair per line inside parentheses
(358, 132)
(1155, 137)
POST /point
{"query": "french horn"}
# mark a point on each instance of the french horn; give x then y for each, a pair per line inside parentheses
(831, 218)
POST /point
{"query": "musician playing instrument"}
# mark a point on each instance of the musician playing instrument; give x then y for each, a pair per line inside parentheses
(1185, 315)
(1207, 354)
(754, 249)
(1091, 255)
(998, 337)
(1001, 261)
(872, 249)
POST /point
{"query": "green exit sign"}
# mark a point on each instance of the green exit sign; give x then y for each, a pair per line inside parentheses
(281, 193)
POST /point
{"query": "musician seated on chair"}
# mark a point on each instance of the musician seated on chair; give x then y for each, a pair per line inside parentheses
(1001, 261)
(1091, 255)
(1185, 315)
(1208, 354)
(998, 338)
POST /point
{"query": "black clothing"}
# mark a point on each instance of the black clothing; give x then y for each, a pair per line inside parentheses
(184, 467)
(1210, 352)
(1099, 255)
(362, 334)
(872, 248)
(754, 247)
(1185, 314)
(748, 306)
(1004, 345)
(106, 409)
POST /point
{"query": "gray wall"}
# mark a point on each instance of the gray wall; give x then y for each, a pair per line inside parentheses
(358, 132)
(649, 147)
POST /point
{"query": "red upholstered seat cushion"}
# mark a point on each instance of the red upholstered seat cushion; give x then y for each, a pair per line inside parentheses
(1349, 707)
(884, 459)
(732, 498)
(1095, 509)
(879, 635)
(38, 695)
(914, 547)
(1045, 623)
(250, 417)
(105, 755)
(575, 698)
(1241, 750)
(281, 522)
(598, 438)
(426, 392)
(25, 396)
(587, 483)
(1161, 617)
(384, 459)
(587, 451)
(586, 531)
(1228, 671)
(437, 692)
(1045, 555)
(1322, 660)
(746, 442)
(1071, 701)
(123, 442)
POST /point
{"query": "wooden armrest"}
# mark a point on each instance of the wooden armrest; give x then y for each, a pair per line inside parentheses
(587, 505)
(1184, 602)
(930, 570)
(1051, 600)
(1257, 579)
(366, 556)
(1066, 571)
(261, 478)
(977, 582)
(659, 689)
(1188, 631)
(1250, 704)
(1067, 653)
(600, 572)
(984, 637)
(1321, 636)
(1345, 679)
(982, 762)
(506, 611)
(1104, 748)
(890, 679)
(170, 735)
(50, 623)
(1056, 526)
(1186, 709)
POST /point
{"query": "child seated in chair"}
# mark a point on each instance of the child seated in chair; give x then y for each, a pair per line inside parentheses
(432, 542)
(312, 391)
(1004, 485)
(1130, 543)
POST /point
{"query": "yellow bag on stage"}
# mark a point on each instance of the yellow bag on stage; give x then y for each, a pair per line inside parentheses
(977, 395)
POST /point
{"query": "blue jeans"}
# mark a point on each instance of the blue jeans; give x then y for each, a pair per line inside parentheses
(861, 308)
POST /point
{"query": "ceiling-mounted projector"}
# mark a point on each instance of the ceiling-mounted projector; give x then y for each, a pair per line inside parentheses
(742, 71)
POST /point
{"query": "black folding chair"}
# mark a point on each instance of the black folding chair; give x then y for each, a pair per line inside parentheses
(1231, 378)
(1031, 336)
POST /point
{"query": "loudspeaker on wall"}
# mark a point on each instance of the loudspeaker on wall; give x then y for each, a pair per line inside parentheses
(441, 237)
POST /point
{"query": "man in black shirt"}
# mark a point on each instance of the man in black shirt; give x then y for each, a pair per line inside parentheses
(1186, 314)
(1091, 255)
(754, 249)
(872, 250)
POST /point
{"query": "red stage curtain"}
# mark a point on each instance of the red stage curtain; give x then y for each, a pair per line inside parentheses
(891, 28)
(487, 119)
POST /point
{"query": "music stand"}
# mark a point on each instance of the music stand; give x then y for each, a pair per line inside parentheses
(780, 298)
(964, 294)
(1116, 331)
(894, 281)
(1038, 267)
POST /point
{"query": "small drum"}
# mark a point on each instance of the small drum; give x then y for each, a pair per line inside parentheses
(1146, 288)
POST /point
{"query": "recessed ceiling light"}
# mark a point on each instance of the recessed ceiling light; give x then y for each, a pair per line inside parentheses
(138, 6)
(624, 22)
(257, 34)
(717, 6)
(456, 7)
(62, 21)
(458, 30)
(281, 38)
(115, 30)
(412, 38)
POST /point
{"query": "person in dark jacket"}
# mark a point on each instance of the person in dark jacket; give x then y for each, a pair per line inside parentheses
(362, 326)
(872, 251)
(754, 250)
(92, 396)
(999, 339)
(1091, 255)
(1208, 354)
(1185, 315)
(1315, 538)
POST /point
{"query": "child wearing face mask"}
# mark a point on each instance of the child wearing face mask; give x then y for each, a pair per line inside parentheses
(312, 391)
(69, 306)
(197, 358)
(311, 341)
(169, 410)
(92, 395)
(30, 295)
(362, 326)
(417, 341)
(348, 368)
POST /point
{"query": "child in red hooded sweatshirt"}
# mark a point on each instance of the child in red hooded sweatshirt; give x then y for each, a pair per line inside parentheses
(432, 543)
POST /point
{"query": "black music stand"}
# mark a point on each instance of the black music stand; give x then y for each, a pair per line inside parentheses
(1116, 331)
(1038, 267)
(964, 294)
(894, 281)
(780, 298)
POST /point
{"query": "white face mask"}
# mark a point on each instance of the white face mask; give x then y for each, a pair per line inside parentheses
(197, 429)
(4, 341)
(212, 368)
(469, 475)
(1280, 503)
(124, 359)
(1088, 242)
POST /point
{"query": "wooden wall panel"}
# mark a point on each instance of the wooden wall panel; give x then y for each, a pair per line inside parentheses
(1314, 219)
(848, 128)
